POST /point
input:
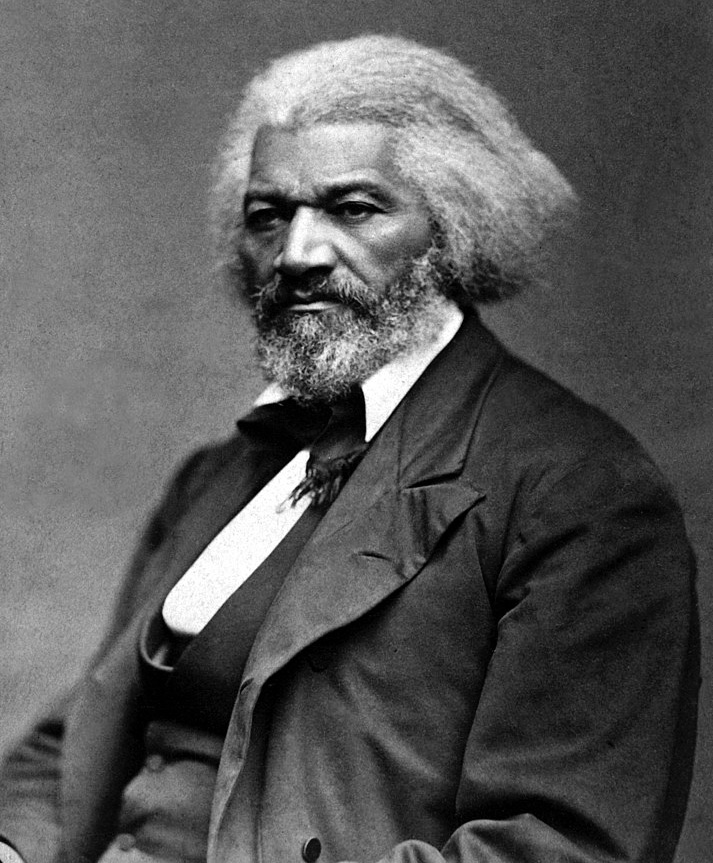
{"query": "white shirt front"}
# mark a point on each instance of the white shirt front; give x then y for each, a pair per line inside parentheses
(255, 532)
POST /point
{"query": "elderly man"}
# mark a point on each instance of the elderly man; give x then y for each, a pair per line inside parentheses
(425, 605)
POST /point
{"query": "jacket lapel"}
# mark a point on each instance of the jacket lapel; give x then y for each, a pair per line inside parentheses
(379, 532)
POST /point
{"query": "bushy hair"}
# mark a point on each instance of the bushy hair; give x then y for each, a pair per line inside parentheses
(492, 196)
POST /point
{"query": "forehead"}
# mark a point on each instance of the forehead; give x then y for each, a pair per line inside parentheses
(300, 161)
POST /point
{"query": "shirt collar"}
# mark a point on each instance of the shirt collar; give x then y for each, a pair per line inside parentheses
(385, 389)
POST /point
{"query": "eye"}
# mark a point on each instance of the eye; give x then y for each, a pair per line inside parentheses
(263, 218)
(354, 212)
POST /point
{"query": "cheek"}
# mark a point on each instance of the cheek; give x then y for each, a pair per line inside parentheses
(417, 235)
(256, 259)
(406, 241)
(391, 260)
(250, 278)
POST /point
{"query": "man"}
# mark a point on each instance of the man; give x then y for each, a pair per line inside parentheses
(426, 605)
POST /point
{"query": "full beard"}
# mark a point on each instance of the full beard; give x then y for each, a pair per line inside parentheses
(319, 356)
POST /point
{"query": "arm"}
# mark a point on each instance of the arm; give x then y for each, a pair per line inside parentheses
(29, 811)
(582, 742)
(30, 776)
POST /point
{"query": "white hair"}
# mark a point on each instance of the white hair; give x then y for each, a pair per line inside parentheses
(492, 196)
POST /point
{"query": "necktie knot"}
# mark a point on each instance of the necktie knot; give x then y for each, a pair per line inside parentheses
(285, 426)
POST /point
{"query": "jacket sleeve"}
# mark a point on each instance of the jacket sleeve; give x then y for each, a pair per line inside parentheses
(29, 788)
(581, 747)
(30, 776)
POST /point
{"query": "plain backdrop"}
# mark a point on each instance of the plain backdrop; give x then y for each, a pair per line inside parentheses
(121, 352)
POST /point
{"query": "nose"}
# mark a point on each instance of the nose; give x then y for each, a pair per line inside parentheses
(306, 245)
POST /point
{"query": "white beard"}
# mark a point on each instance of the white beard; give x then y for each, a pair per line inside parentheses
(318, 356)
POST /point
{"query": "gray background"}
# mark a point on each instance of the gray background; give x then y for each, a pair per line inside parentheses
(121, 353)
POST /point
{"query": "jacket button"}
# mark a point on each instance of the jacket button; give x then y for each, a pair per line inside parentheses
(154, 763)
(311, 850)
(125, 841)
(320, 655)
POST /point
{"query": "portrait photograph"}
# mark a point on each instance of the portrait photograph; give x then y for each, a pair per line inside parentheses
(357, 451)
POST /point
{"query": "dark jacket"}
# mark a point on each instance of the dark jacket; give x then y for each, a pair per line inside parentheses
(486, 653)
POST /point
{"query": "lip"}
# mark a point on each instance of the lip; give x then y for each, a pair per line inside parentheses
(316, 306)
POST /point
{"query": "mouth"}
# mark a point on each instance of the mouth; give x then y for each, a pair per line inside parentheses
(316, 306)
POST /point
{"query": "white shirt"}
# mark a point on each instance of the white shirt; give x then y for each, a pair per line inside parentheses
(254, 533)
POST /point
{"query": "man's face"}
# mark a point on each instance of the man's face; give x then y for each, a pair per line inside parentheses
(334, 256)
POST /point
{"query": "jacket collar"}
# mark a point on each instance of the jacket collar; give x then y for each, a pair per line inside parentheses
(439, 417)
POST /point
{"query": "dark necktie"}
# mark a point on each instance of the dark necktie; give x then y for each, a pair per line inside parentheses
(334, 434)
(336, 452)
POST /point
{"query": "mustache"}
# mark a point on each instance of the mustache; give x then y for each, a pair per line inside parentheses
(284, 290)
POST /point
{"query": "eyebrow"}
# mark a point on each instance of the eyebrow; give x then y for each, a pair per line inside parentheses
(323, 193)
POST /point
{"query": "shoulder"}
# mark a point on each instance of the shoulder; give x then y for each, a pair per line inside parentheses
(537, 429)
(568, 492)
(200, 467)
(547, 460)
(189, 480)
